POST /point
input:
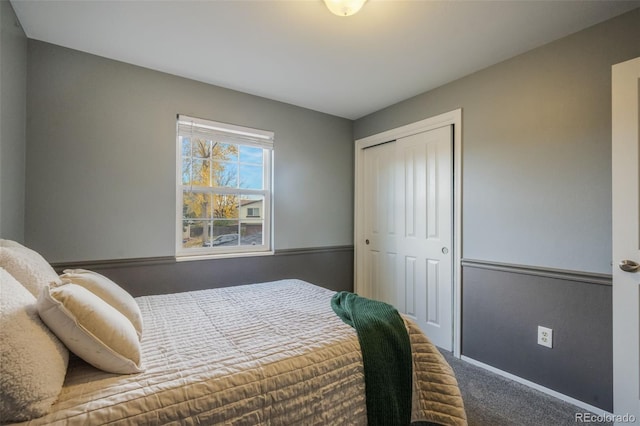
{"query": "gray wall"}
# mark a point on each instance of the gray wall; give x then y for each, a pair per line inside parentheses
(101, 158)
(536, 193)
(13, 89)
(504, 334)
(331, 268)
(536, 149)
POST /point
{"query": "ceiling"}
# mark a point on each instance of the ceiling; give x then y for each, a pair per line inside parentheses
(299, 53)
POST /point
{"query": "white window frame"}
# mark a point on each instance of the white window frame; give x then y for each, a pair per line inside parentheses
(234, 134)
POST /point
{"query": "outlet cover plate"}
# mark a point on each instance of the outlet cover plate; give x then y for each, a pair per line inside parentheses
(545, 336)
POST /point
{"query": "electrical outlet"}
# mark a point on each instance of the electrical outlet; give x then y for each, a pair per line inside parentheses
(545, 336)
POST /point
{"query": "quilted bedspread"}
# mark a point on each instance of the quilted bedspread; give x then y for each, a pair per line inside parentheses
(260, 354)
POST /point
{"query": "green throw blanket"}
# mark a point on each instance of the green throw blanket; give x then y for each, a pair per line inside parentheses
(386, 354)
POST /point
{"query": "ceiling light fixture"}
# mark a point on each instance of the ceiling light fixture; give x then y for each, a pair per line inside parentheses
(344, 7)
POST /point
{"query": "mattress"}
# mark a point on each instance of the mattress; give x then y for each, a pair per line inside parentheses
(272, 353)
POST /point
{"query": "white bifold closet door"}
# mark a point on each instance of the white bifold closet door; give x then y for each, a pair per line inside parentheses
(408, 229)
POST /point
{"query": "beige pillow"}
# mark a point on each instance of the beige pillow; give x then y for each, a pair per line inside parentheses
(27, 266)
(33, 362)
(91, 328)
(10, 243)
(108, 291)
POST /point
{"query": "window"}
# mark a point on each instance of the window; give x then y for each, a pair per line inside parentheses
(253, 212)
(223, 188)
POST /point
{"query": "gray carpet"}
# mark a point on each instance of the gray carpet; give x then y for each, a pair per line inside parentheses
(493, 400)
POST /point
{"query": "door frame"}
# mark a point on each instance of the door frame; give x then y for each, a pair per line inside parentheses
(448, 118)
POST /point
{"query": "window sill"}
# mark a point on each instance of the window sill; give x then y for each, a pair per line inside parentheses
(191, 257)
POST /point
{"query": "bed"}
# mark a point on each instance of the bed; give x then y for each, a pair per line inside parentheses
(269, 353)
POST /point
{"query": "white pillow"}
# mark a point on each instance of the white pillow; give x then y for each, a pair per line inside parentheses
(108, 291)
(27, 266)
(33, 362)
(91, 328)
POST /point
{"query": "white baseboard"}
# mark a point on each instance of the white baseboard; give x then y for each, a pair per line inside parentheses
(563, 397)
